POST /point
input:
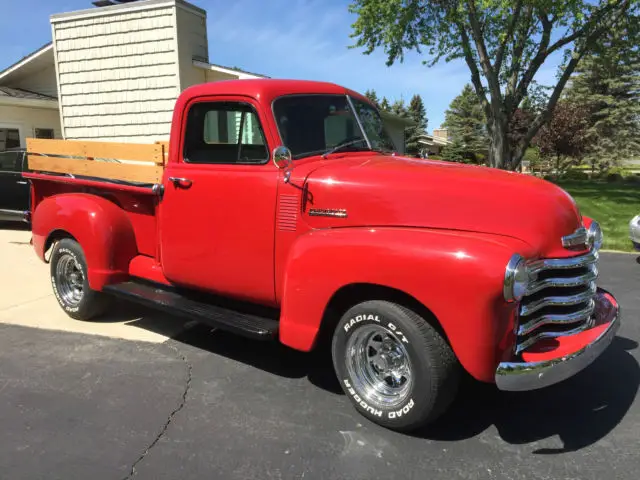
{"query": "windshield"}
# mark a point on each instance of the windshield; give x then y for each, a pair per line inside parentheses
(316, 124)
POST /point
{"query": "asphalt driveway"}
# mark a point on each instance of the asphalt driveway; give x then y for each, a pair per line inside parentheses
(205, 404)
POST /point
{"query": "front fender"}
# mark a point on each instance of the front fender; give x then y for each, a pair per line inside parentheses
(101, 227)
(458, 276)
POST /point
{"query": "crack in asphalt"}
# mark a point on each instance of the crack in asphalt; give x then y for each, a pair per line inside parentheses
(183, 401)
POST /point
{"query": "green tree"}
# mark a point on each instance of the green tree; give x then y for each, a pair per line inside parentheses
(455, 152)
(466, 124)
(373, 97)
(504, 44)
(399, 108)
(385, 105)
(418, 113)
(608, 82)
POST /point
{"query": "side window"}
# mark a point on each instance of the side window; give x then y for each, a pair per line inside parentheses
(10, 161)
(44, 133)
(224, 132)
(9, 138)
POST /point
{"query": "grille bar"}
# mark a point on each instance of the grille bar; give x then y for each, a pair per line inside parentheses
(575, 281)
(564, 263)
(559, 301)
(550, 334)
(557, 319)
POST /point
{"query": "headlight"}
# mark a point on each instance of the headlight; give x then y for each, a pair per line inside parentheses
(595, 235)
(516, 279)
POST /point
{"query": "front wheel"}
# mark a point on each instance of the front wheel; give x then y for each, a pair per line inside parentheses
(70, 283)
(396, 369)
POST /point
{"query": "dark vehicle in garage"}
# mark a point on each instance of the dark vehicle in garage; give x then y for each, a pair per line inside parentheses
(14, 189)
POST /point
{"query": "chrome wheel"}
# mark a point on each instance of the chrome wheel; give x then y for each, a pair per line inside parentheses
(379, 366)
(69, 280)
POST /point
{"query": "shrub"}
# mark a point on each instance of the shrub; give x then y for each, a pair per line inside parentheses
(618, 171)
(614, 177)
(633, 179)
(576, 175)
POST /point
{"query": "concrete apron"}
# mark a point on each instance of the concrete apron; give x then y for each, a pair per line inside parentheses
(26, 299)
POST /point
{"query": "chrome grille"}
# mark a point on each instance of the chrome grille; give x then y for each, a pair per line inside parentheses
(559, 299)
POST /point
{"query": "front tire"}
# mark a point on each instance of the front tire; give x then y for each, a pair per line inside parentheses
(70, 283)
(394, 366)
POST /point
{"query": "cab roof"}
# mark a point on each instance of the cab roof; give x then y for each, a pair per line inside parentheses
(266, 89)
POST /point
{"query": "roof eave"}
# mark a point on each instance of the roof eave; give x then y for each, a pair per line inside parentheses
(228, 71)
(24, 61)
(28, 102)
(392, 116)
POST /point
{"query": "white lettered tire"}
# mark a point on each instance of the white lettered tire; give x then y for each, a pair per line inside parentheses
(393, 365)
(70, 282)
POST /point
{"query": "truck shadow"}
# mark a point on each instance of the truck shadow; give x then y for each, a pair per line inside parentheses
(579, 411)
(271, 357)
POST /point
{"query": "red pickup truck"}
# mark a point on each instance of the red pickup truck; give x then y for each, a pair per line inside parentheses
(284, 213)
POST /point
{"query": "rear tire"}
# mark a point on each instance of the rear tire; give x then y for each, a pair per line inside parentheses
(394, 366)
(70, 283)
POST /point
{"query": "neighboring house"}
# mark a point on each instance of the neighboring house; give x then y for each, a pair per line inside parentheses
(433, 144)
(113, 73)
(28, 100)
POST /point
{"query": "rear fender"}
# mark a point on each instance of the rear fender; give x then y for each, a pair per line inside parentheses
(458, 276)
(100, 226)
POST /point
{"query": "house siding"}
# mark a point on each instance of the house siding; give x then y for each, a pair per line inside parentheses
(117, 74)
(192, 43)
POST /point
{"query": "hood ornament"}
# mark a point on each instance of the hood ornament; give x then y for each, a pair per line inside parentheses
(579, 238)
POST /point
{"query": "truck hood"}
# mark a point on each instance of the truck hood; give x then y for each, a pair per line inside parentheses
(382, 190)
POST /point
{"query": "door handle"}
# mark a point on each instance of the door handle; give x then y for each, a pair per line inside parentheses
(21, 182)
(180, 182)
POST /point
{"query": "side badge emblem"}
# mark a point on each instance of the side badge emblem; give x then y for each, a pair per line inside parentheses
(328, 212)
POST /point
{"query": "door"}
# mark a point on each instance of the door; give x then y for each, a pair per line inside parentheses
(14, 190)
(218, 210)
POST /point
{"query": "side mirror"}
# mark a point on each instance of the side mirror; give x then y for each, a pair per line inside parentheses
(282, 159)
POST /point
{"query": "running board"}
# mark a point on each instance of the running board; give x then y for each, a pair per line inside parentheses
(173, 302)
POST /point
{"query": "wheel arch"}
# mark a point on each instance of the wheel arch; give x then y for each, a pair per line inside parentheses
(101, 227)
(352, 294)
(55, 236)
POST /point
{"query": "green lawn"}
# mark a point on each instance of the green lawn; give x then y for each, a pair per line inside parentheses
(613, 205)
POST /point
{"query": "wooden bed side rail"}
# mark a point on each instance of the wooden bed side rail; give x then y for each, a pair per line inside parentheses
(133, 162)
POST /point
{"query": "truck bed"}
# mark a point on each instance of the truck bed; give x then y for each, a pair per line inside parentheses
(126, 174)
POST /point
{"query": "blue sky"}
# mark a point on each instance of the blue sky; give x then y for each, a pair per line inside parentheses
(304, 39)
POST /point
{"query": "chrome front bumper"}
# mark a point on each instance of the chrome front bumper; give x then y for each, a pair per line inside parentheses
(521, 376)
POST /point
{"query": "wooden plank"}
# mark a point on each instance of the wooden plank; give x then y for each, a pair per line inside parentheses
(92, 168)
(141, 152)
(56, 147)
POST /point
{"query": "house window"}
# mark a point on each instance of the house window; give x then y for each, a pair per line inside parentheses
(9, 138)
(44, 133)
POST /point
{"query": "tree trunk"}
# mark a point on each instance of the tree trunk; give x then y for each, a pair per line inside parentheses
(499, 148)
